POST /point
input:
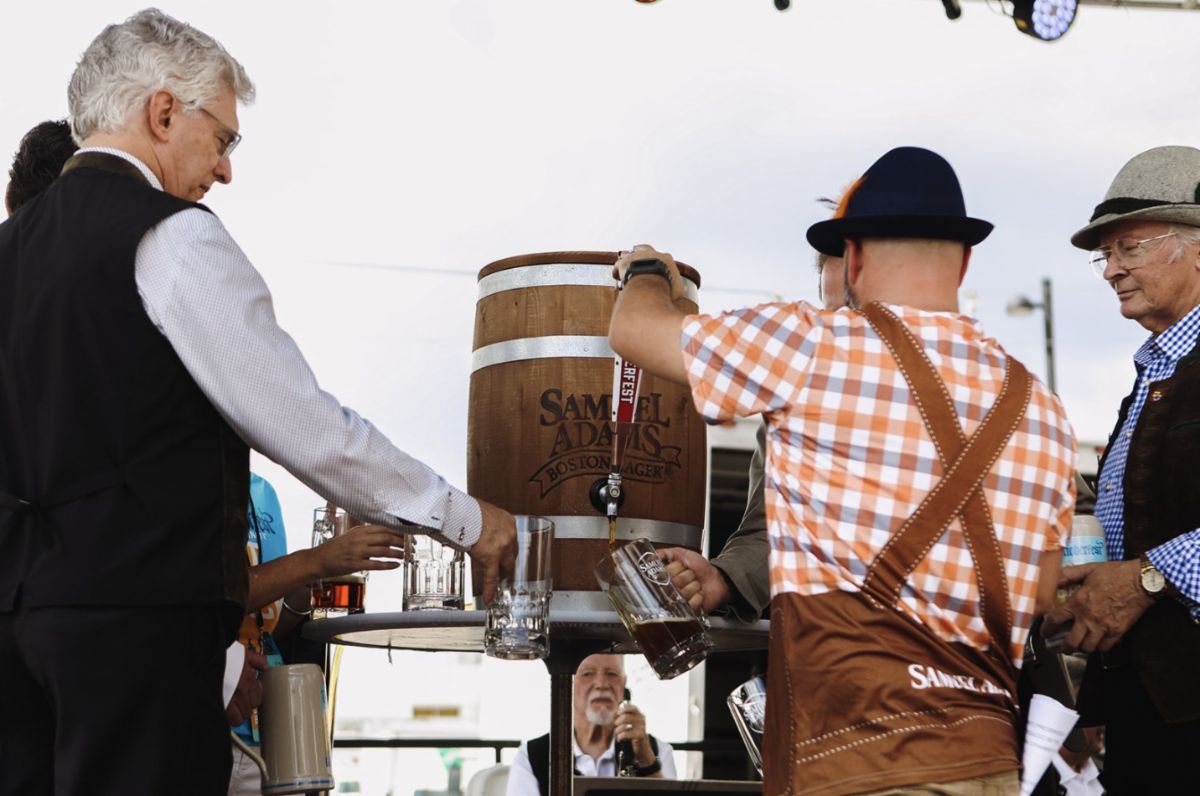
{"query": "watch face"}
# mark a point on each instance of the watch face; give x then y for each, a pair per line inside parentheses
(1153, 580)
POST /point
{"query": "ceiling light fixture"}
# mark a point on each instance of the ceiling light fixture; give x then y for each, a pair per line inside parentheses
(1046, 20)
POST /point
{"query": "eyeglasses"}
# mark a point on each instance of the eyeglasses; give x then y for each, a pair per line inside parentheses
(1125, 250)
(229, 139)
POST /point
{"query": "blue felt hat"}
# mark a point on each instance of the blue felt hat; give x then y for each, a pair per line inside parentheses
(908, 193)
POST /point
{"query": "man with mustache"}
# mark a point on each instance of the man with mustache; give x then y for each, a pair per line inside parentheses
(602, 719)
(1139, 613)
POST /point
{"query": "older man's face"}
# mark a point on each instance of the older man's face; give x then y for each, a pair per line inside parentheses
(195, 159)
(1154, 287)
(598, 687)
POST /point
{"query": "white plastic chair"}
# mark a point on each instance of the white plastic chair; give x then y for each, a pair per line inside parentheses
(491, 781)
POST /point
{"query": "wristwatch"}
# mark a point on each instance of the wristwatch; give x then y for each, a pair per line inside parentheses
(1151, 580)
(647, 266)
(650, 770)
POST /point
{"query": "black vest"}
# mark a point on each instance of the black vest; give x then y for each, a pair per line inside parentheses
(539, 759)
(1162, 501)
(120, 484)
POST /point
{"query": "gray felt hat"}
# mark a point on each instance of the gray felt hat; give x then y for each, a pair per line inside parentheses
(1160, 184)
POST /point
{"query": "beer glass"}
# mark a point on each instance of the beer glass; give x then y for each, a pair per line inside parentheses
(433, 574)
(345, 594)
(518, 620)
(748, 704)
(668, 632)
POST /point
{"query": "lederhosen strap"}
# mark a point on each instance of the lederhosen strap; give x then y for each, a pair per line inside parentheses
(959, 493)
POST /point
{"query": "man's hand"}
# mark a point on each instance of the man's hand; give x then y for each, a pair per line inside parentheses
(631, 726)
(702, 584)
(357, 549)
(496, 550)
(644, 252)
(1107, 603)
(1093, 743)
(248, 694)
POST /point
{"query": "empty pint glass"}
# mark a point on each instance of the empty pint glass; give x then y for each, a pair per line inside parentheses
(345, 594)
(669, 633)
(518, 620)
(748, 704)
(433, 574)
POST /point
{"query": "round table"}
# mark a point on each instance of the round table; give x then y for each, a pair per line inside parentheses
(575, 633)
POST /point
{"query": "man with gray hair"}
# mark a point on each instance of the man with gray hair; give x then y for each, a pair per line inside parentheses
(1139, 612)
(140, 360)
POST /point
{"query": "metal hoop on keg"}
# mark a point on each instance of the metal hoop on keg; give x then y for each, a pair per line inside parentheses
(556, 274)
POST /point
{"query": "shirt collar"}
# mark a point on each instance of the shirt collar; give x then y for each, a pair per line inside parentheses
(962, 324)
(609, 753)
(142, 167)
(1174, 343)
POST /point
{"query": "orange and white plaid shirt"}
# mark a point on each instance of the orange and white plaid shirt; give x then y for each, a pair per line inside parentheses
(849, 457)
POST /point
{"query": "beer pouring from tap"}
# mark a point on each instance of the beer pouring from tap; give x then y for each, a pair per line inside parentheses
(608, 493)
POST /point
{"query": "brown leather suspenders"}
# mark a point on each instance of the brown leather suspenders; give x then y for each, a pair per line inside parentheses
(959, 493)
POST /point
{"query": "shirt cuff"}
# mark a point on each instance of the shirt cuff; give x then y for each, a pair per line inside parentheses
(235, 660)
(1178, 560)
(462, 521)
(739, 606)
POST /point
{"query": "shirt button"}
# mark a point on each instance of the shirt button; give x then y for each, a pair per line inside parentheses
(1108, 487)
(1156, 395)
(1128, 434)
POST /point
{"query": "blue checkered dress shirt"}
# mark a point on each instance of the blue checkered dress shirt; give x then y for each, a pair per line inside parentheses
(1178, 559)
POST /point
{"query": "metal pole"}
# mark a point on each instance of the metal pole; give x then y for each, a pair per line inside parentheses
(562, 759)
(1048, 316)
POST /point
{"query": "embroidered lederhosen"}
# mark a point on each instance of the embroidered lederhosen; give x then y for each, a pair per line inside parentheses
(861, 696)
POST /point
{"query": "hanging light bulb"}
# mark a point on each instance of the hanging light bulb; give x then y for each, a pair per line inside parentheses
(1044, 19)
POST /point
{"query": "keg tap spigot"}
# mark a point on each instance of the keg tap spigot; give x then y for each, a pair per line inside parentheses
(607, 494)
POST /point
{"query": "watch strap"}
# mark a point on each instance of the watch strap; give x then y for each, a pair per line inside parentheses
(651, 265)
(650, 770)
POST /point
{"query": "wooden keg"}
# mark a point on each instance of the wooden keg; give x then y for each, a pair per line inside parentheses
(539, 433)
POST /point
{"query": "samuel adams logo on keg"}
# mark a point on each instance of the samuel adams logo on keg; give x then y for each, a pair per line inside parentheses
(582, 441)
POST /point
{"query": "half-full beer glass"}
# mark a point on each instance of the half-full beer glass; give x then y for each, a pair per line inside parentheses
(669, 633)
(748, 704)
(518, 620)
(345, 594)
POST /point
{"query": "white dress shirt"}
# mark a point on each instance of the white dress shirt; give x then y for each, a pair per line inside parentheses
(522, 782)
(214, 308)
(1078, 783)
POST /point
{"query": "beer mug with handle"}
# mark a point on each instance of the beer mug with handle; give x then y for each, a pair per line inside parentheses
(748, 704)
(295, 747)
(343, 594)
(655, 613)
(518, 620)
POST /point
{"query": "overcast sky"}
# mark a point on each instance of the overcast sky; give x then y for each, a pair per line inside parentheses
(398, 147)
